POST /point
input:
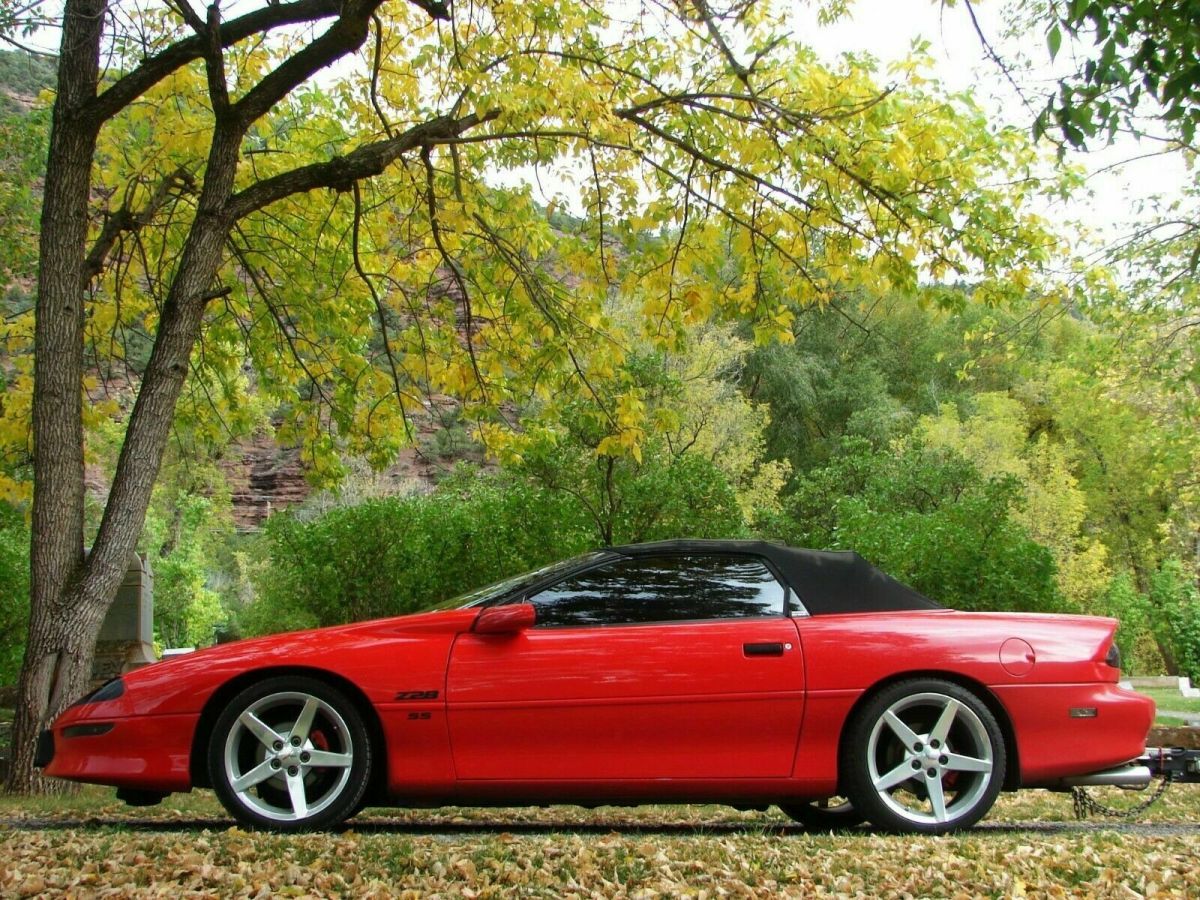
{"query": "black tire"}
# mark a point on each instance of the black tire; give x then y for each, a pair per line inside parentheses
(301, 750)
(830, 814)
(925, 756)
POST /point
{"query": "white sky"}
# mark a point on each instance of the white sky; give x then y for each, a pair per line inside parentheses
(887, 29)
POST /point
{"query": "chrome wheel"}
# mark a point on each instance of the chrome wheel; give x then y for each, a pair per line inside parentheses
(288, 758)
(931, 758)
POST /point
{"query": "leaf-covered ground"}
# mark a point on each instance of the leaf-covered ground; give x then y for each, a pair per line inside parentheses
(88, 845)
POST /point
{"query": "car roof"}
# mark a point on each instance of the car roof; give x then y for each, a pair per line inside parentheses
(826, 581)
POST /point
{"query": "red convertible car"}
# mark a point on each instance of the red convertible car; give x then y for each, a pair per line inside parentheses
(737, 672)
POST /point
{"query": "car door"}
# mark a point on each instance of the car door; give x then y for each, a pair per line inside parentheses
(671, 666)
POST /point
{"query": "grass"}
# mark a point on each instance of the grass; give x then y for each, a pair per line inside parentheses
(188, 845)
(1169, 698)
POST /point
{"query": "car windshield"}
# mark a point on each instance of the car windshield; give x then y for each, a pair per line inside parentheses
(482, 596)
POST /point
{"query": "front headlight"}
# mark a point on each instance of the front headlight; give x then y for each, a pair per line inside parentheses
(110, 690)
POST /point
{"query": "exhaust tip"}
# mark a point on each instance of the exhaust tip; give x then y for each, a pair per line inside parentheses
(1122, 776)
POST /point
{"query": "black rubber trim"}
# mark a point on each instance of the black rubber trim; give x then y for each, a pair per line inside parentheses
(88, 729)
(43, 755)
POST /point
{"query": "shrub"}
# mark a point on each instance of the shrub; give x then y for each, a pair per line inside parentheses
(1175, 604)
(627, 500)
(927, 518)
(188, 537)
(14, 591)
(395, 555)
(1140, 654)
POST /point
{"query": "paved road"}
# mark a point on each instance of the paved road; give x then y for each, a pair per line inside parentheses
(383, 825)
(1188, 718)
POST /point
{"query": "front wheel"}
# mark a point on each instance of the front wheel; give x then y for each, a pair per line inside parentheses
(290, 754)
(924, 755)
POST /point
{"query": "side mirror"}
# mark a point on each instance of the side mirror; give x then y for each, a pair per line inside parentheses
(505, 619)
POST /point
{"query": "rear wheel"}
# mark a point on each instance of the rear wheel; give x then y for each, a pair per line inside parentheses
(830, 814)
(924, 755)
(290, 753)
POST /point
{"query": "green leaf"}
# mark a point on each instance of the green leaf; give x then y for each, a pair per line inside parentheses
(1054, 40)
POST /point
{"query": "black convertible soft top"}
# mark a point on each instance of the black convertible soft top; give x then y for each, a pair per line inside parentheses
(825, 581)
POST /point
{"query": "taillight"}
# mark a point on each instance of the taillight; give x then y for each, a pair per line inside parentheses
(1113, 657)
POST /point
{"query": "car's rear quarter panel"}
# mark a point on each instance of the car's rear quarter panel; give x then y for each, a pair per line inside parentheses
(848, 655)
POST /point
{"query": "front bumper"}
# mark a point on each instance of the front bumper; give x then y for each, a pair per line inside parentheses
(151, 753)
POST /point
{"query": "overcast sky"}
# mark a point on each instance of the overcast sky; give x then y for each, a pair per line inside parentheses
(887, 29)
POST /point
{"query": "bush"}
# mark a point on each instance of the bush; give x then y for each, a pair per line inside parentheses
(188, 537)
(1175, 603)
(1140, 654)
(684, 497)
(927, 518)
(396, 555)
(628, 501)
(14, 591)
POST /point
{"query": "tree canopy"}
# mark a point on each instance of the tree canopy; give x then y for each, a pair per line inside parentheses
(1141, 54)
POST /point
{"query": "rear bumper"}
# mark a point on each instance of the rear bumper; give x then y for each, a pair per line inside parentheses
(1058, 735)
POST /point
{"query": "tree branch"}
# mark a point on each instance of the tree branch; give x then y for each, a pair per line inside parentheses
(741, 71)
(131, 86)
(184, 8)
(126, 219)
(379, 310)
(435, 8)
(341, 172)
(347, 33)
(214, 63)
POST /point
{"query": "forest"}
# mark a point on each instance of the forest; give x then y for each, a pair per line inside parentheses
(703, 287)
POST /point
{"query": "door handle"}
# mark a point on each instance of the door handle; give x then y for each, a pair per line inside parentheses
(765, 648)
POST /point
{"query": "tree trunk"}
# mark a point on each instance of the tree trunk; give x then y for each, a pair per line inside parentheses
(65, 626)
(57, 671)
(69, 594)
(52, 670)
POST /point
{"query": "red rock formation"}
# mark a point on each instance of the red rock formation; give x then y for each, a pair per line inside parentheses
(263, 477)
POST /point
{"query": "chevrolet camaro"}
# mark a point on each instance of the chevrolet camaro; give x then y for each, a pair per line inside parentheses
(738, 672)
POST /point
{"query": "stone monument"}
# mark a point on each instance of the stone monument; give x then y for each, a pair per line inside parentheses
(127, 635)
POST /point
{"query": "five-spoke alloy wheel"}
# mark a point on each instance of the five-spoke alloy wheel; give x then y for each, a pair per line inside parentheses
(290, 753)
(923, 755)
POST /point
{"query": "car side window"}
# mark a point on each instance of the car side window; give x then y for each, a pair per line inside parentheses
(661, 589)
